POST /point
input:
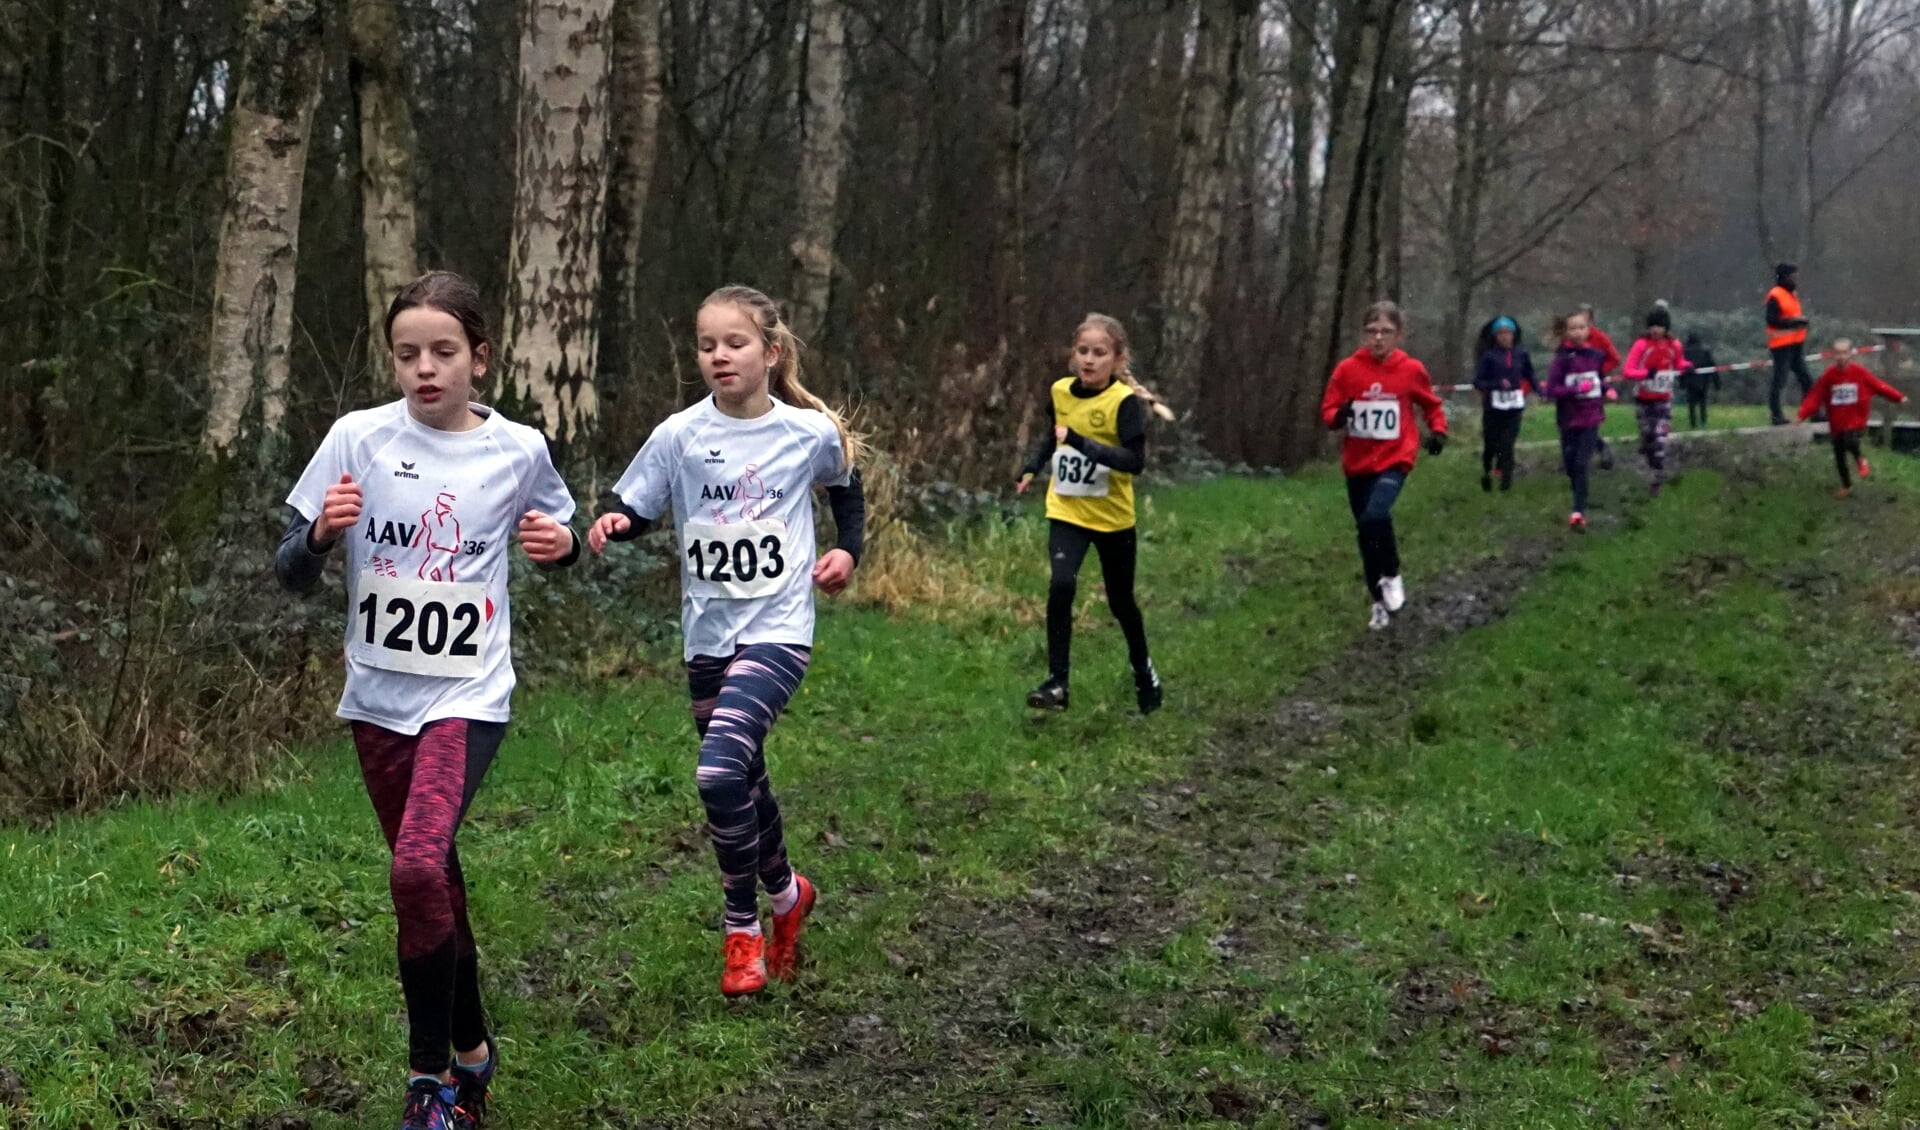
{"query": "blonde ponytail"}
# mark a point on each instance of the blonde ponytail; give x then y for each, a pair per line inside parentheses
(1117, 334)
(783, 378)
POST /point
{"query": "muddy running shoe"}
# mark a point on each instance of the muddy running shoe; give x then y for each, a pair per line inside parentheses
(1146, 688)
(1486, 483)
(746, 964)
(1393, 593)
(1606, 457)
(429, 1106)
(470, 1089)
(1506, 482)
(783, 952)
(1863, 467)
(1843, 492)
(1577, 522)
(1380, 618)
(1050, 695)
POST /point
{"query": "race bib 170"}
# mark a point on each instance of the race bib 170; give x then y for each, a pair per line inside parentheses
(1076, 476)
(421, 627)
(1375, 419)
(1509, 399)
(737, 561)
(1846, 395)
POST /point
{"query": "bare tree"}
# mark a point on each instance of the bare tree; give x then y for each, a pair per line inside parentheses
(387, 206)
(560, 176)
(260, 226)
(1213, 93)
(823, 160)
(637, 95)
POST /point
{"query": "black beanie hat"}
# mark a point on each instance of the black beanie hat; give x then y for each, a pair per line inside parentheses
(1658, 316)
(1782, 270)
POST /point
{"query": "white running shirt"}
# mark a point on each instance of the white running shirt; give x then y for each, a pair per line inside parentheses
(742, 496)
(428, 619)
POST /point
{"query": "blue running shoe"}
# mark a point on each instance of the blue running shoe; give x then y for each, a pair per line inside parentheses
(470, 1090)
(429, 1106)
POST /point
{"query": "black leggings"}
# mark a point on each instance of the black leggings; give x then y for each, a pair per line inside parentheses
(1846, 451)
(1067, 546)
(1788, 358)
(1500, 429)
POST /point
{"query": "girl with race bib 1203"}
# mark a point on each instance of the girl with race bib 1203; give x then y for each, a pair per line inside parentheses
(1098, 444)
(738, 471)
(1655, 363)
(1374, 395)
(424, 496)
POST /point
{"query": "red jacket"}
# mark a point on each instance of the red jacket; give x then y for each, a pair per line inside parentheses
(1648, 358)
(1381, 436)
(1846, 391)
(1598, 338)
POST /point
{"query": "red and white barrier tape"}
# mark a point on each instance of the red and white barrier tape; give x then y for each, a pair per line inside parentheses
(1736, 367)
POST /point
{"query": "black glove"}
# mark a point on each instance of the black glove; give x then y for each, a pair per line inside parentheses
(1436, 442)
(1345, 416)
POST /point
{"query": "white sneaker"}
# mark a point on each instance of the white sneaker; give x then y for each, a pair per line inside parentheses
(1393, 593)
(1381, 617)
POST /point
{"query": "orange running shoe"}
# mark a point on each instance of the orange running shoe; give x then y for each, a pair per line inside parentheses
(783, 953)
(1865, 468)
(1843, 492)
(746, 968)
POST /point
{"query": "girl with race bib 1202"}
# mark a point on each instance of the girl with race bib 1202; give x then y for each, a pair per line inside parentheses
(1374, 395)
(738, 471)
(424, 496)
(1097, 445)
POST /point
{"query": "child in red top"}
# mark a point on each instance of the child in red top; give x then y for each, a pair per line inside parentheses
(1373, 395)
(1653, 364)
(1846, 391)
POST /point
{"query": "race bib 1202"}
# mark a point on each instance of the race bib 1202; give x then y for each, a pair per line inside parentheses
(421, 627)
(1509, 399)
(737, 561)
(1076, 476)
(1375, 419)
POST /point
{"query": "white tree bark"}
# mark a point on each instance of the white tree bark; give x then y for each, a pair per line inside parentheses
(387, 206)
(260, 228)
(551, 334)
(823, 160)
(1186, 286)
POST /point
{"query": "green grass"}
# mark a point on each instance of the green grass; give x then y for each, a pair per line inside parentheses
(1497, 909)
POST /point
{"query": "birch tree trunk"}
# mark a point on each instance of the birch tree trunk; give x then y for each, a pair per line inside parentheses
(823, 159)
(387, 145)
(278, 85)
(1359, 100)
(1206, 126)
(560, 178)
(637, 95)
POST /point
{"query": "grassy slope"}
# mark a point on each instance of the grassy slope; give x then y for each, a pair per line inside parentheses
(1643, 741)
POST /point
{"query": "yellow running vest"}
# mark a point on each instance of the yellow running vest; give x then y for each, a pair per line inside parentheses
(1083, 492)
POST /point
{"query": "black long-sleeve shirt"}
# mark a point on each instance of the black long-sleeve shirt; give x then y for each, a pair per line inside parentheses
(1130, 420)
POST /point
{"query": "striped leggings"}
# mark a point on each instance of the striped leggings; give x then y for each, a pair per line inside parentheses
(735, 702)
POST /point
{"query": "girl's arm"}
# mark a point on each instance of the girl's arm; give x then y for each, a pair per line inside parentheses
(297, 563)
(1483, 374)
(1131, 456)
(1044, 451)
(849, 506)
(1637, 360)
(1886, 391)
(1333, 405)
(1431, 406)
(1817, 395)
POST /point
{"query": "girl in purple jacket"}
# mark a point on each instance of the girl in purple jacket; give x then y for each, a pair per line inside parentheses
(1574, 383)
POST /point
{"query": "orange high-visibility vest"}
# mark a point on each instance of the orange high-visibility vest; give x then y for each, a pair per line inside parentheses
(1789, 309)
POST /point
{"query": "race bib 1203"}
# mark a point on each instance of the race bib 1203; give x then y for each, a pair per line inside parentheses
(737, 561)
(1076, 476)
(421, 627)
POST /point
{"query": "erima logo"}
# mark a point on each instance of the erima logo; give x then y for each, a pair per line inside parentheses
(713, 456)
(405, 471)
